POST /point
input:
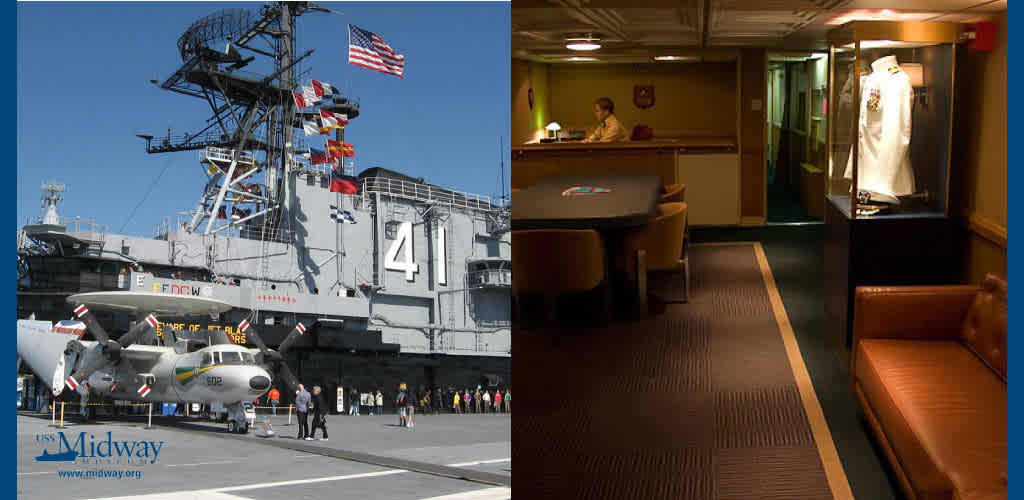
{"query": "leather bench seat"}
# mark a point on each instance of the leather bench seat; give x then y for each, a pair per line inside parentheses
(942, 411)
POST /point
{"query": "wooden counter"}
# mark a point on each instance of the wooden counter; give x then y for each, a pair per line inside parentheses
(709, 166)
(660, 143)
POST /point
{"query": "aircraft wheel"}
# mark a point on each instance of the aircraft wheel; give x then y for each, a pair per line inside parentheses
(244, 428)
(232, 426)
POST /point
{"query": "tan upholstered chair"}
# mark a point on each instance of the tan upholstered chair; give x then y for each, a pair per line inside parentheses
(551, 262)
(674, 193)
(664, 241)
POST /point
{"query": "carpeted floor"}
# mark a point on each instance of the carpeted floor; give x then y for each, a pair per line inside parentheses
(796, 258)
(698, 402)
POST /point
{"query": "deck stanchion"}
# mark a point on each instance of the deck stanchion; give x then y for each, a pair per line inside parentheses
(61, 415)
(149, 419)
(289, 414)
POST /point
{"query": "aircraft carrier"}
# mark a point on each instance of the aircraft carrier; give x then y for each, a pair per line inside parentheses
(400, 281)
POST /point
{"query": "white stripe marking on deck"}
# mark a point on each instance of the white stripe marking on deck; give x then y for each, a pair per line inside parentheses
(308, 481)
(220, 493)
(480, 462)
(203, 463)
(180, 495)
(484, 494)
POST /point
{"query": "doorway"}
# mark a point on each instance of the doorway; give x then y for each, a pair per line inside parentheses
(796, 137)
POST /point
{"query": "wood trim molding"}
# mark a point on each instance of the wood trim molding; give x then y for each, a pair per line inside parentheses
(986, 228)
(752, 220)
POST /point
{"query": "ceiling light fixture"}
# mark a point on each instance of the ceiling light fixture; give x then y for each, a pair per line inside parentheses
(669, 58)
(879, 15)
(588, 41)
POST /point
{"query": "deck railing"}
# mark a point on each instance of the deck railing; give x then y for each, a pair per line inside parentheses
(425, 193)
(87, 228)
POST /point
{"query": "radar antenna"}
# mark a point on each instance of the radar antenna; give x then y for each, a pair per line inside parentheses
(51, 196)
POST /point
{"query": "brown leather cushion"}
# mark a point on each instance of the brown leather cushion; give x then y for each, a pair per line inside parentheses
(943, 411)
(985, 326)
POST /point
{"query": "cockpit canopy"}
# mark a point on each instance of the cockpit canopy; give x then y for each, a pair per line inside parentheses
(228, 358)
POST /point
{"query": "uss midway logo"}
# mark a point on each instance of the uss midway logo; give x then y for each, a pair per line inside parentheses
(87, 448)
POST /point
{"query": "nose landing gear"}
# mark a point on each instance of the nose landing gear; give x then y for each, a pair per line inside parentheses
(238, 418)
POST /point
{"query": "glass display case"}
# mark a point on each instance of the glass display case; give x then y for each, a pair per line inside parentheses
(891, 125)
(890, 135)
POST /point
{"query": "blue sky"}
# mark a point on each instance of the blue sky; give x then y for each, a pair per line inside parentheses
(84, 91)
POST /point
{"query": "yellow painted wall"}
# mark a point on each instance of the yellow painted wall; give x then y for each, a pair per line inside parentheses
(978, 179)
(528, 123)
(690, 99)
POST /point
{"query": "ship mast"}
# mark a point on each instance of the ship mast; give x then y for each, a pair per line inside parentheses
(246, 173)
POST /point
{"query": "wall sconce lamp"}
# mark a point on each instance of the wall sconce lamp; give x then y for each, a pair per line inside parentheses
(916, 73)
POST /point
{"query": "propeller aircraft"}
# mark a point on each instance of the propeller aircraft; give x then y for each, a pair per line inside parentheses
(215, 371)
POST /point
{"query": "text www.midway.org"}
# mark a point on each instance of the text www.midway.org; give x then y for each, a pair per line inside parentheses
(99, 474)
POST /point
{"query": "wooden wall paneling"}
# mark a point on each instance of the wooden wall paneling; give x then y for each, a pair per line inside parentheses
(753, 168)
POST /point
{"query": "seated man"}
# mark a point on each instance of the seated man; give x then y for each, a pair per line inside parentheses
(610, 129)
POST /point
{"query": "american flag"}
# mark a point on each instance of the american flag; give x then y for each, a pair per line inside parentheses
(370, 51)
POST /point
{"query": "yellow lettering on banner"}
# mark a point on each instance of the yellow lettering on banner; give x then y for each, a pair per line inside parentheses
(156, 287)
(237, 337)
(214, 327)
(179, 326)
(159, 329)
(193, 328)
(230, 330)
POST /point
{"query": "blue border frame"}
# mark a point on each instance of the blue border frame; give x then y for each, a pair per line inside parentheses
(8, 87)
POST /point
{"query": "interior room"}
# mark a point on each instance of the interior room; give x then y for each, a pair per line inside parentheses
(759, 248)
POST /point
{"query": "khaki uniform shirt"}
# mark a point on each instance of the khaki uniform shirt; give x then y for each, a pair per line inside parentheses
(611, 130)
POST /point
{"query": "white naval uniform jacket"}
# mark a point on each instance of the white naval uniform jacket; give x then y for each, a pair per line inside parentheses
(884, 132)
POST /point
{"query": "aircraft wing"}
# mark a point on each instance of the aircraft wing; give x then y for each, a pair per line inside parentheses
(143, 353)
(43, 350)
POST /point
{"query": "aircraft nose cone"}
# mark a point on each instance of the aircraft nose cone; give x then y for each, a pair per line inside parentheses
(259, 382)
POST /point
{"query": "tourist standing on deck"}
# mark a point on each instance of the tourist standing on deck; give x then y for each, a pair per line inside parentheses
(476, 401)
(497, 401)
(400, 404)
(487, 400)
(457, 404)
(380, 402)
(508, 400)
(319, 413)
(410, 408)
(425, 402)
(275, 398)
(302, 399)
(353, 402)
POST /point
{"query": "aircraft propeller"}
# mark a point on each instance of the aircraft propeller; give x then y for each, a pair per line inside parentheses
(111, 349)
(276, 357)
